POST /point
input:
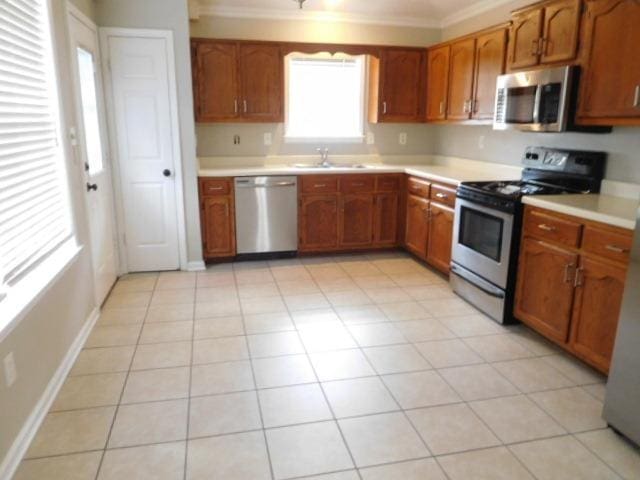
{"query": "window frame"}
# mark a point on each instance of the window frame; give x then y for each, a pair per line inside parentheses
(19, 296)
(362, 110)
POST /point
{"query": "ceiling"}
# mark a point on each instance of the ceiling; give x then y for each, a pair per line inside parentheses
(422, 13)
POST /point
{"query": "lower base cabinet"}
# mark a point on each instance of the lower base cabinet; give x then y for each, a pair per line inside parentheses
(355, 224)
(217, 218)
(318, 223)
(417, 228)
(570, 287)
(440, 237)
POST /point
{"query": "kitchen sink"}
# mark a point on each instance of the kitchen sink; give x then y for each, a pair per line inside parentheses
(335, 166)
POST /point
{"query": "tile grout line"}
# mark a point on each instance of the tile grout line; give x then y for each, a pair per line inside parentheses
(186, 443)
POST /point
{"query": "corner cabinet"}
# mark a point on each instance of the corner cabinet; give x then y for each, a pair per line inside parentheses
(570, 282)
(610, 82)
(217, 217)
(237, 81)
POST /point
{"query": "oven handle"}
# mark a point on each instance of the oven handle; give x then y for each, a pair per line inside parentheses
(482, 285)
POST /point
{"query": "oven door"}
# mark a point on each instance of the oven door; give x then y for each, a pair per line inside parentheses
(482, 241)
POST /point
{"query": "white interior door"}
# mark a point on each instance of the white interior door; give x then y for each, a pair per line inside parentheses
(92, 147)
(146, 136)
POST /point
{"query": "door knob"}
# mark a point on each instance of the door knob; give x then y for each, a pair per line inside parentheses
(166, 172)
(92, 186)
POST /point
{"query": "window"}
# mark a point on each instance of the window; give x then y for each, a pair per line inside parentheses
(35, 216)
(325, 97)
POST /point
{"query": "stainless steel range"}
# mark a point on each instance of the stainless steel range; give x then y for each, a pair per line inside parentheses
(489, 217)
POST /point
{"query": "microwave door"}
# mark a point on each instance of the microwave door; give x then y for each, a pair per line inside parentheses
(536, 105)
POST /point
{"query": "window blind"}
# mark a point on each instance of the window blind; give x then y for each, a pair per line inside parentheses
(34, 206)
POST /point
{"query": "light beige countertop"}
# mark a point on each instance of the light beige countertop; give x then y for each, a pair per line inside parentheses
(609, 209)
(447, 171)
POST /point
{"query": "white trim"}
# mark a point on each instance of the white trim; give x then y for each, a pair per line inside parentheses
(472, 11)
(167, 35)
(76, 12)
(197, 266)
(283, 14)
(12, 460)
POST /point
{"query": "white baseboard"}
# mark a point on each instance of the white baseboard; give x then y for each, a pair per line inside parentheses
(20, 445)
(198, 266)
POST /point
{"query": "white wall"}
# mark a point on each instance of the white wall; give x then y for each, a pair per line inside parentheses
(42, 338)
(168, 15)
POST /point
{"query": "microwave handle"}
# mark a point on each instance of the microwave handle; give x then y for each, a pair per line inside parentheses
(536, 104)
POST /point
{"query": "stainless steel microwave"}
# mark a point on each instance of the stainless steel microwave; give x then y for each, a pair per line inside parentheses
(535, 100)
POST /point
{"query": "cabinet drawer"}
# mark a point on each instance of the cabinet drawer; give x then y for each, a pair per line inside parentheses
(357, 183)
(418, 187)
(215, 186)
(319, 184)
(388, 183)
(552, 228)
(443, 195)
(605, 243)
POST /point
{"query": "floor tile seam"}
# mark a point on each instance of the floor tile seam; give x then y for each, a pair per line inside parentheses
(464, 340)
(186, 447)
(325, 396)
(117, 408)
(595, 453)
(255, 385)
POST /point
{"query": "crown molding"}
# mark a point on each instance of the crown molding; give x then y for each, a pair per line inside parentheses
(281, 14)
(472, 11)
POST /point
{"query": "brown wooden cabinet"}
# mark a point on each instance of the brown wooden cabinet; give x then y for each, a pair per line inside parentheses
(610, 82)
(440, 236)
(570, 282)
(461, 65)
(417, 226)
(318, 222)
(489, 64)
(237, 81)
(217, 218)
(355, 220)
(395, 86)
(437, 82)
(544, 33)
(385, 219)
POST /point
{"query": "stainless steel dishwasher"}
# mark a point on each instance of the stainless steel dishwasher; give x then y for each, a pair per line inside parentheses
(266, 214)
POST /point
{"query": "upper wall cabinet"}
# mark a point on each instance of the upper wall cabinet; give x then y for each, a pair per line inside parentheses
(461, 65)
(544, 33)
(395, 86)
(490, 59)
(437, 82)
(610, 84)
(237, 82)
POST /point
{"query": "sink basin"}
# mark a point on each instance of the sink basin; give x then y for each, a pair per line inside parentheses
(333, 166)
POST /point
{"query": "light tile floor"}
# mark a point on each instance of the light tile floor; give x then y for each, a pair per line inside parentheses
(336, 368)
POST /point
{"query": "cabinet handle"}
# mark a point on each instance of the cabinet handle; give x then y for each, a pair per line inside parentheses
(441, 107)
(616, 249)
(211, 189)
(546, 227)
(535, 46)
(442, 195)
(384, 108)
(244, 104)
(319, 185)
(636, 97)
(567, 269)
(235, 106)
(358, 184)
(542, 49)
(578, 279)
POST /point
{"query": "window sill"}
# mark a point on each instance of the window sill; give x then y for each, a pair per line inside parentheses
(20, 298)
(324, 140)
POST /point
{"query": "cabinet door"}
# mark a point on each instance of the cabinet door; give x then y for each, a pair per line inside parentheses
(596, 310)
(490, 58)
(385, 220)
(417, 226)
(217, 94)
(610, 83)
(400, 94)
(356, 220)
(560, 31)
(440, 237)
(524, 40)
(461, 80)
(261, 84)
(544, 292)
(218, 227)
(318, 222)
(437, 82)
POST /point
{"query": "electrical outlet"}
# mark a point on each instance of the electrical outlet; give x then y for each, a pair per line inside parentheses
(268, 139)
(236, 139)
(371, 138)
(402, 138)
(10, 372)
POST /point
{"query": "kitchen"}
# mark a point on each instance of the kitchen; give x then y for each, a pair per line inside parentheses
(390, 240)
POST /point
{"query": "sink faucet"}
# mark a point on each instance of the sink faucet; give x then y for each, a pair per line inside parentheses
(324, 157)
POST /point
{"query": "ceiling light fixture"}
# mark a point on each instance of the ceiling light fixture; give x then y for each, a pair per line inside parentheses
(299, 2)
